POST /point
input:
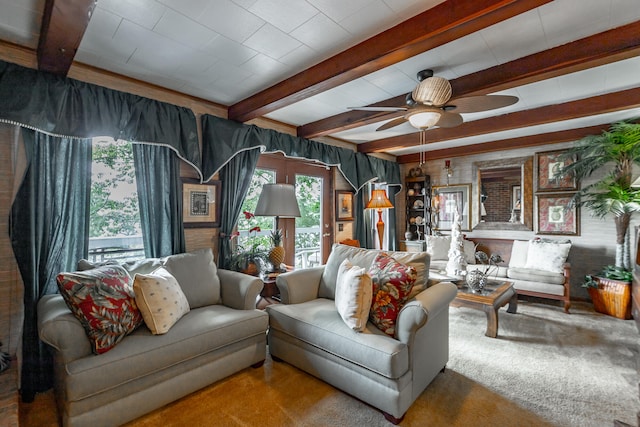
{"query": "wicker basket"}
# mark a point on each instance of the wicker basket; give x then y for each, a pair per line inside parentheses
(612, 297)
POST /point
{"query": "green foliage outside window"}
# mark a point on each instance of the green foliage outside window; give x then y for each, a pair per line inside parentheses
(114, 200)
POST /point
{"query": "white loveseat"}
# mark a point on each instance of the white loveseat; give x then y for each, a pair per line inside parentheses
(537, 267)
(386, 372)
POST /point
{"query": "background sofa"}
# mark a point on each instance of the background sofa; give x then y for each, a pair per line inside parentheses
(537, 267)
(220, 335)
(386, 372)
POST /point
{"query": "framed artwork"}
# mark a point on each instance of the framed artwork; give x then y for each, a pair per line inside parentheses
(548, 163)
(516, 196)
(344, 205)
(200, 203)
(554, 217)
(446, 200)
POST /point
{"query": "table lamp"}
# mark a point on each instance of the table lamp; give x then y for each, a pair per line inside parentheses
(379, 201)
(278, 200)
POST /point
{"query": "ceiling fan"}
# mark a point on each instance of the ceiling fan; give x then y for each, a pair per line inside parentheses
(430, 104)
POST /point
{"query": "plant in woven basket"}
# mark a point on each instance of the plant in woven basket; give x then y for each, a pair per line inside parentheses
(276, 254)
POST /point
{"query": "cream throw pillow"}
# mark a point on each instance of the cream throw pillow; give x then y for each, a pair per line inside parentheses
(160, 300)
(547, 255)
(353, 295)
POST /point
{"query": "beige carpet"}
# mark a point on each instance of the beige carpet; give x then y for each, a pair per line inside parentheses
(544, 369)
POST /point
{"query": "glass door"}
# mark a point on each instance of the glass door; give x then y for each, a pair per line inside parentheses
(307, 240)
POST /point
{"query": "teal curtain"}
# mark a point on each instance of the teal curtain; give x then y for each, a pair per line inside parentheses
(49, 233)
(235, 176)
(160, 199)
(364, 223)
(70, 108)
(222, 139)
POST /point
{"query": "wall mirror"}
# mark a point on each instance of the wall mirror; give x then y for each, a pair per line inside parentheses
(503, 194)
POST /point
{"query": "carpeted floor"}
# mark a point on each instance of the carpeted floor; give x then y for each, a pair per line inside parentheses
(545, 368)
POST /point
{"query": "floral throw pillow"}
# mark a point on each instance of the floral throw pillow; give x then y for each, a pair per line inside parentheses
(392, 284)
(102, 300)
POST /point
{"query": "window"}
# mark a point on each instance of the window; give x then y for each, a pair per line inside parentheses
(114, 219)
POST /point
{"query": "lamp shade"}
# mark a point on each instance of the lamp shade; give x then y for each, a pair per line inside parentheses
(424, 119)
(278, 200)
(379, 200)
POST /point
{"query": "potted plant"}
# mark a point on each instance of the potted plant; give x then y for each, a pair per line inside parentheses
(611, 195)
(252, 259)
(610, 291)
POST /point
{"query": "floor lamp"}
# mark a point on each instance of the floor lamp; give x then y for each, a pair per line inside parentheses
(379, 201)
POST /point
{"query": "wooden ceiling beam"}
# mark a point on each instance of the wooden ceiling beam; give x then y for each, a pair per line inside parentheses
(441, 24)
(506, 144)
(599, 49)
(615, 101)
(63, 25)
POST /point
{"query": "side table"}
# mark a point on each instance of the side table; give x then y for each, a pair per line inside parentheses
(270, 293)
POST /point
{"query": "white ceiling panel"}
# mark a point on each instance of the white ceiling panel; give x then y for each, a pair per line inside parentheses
(230, 20)
(322, 34)
(282, 15)
(146, 13)
(272, 42)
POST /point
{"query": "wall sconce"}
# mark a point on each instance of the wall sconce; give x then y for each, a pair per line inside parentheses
(448, 170)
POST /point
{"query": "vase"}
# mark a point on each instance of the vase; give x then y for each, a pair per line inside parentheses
(612, 297)
(476, 280)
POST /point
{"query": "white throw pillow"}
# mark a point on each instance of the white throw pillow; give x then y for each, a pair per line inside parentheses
(353, 295)
(519, 252)
(160, 300)
(469, 251)
(438, 247)
(547, 255)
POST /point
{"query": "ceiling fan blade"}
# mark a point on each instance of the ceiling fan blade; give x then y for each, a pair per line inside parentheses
(474, 104)
(378, 108)
(392, 123)
(449, 120)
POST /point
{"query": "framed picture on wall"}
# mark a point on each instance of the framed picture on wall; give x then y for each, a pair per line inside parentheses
(554, 217)
(200, 203)
(547, 164)
(448, 199)
(344, 205)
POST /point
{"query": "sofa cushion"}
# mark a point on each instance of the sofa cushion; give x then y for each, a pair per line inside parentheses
(317, 323)
(519, 251)
(364, 258)
(545, 288)
(469, 249)
(353, 295)
(102, 299)
(392, 284)
(201, 331)
(197, 275)
(547, 255)
(494, 271)
(438, 247)
(142, 266)
(160, 300)
(535, 275)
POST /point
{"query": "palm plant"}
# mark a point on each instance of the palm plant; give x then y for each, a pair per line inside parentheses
(613, 194)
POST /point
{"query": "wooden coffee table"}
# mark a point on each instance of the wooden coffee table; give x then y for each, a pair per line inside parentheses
(493, 296)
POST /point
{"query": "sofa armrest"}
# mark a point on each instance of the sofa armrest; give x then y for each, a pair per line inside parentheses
(426, 304)
(60, 329)
(299, 285)
(239, 290)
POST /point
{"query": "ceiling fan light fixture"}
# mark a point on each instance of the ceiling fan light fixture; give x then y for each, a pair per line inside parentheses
(424, 119)
(432, 91)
